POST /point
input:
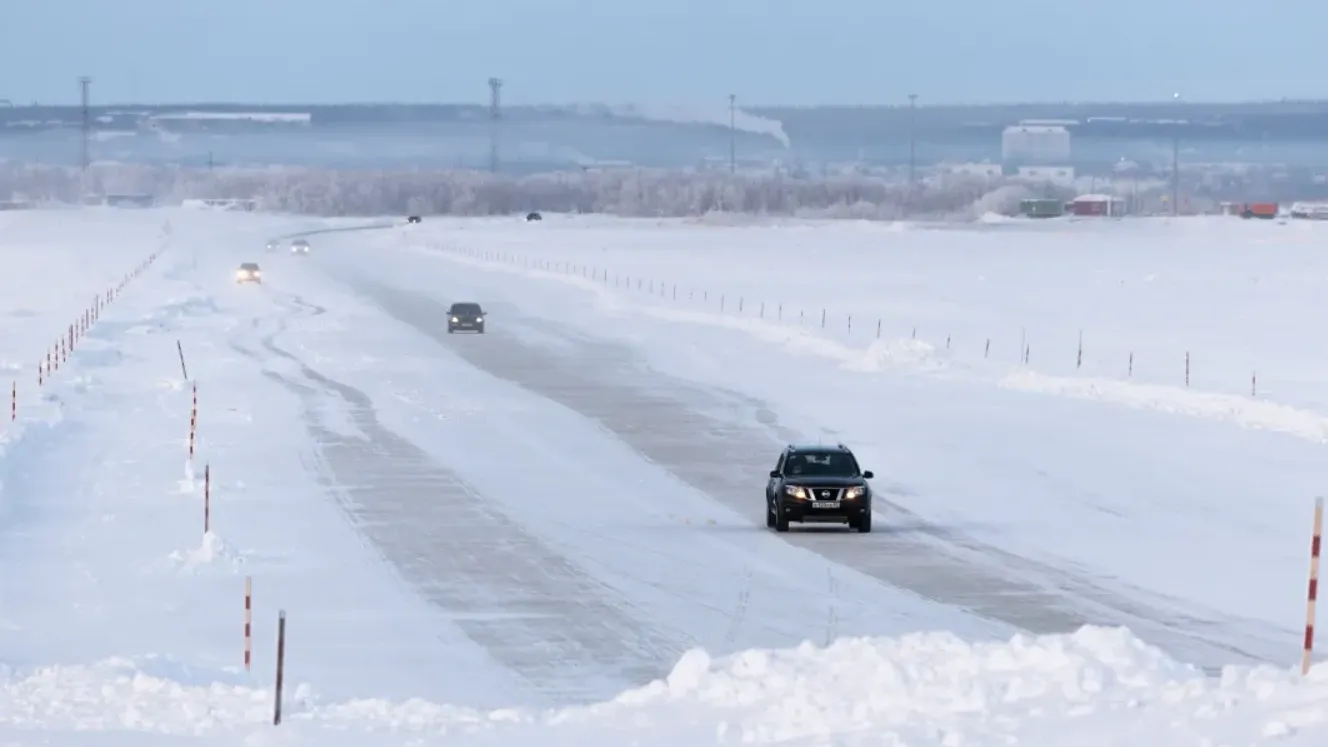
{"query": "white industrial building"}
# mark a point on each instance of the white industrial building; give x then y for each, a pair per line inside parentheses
(1035, 145)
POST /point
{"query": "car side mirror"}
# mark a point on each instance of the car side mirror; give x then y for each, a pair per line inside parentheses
(868, 475)
(774, 473)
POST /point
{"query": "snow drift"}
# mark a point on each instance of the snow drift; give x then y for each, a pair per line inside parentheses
(1097, 686)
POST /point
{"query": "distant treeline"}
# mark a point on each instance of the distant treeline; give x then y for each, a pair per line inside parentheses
(650, 193)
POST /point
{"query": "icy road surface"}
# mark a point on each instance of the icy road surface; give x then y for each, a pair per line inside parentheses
(579, 564)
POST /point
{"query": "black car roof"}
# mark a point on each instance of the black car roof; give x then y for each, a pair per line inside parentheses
(459, 304)
(816, 448)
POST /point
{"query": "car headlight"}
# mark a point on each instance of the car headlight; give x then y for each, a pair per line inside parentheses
(856, 492)
(795, 490)
(455, 319)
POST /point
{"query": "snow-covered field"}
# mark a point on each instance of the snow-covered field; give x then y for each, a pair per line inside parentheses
(551, 534)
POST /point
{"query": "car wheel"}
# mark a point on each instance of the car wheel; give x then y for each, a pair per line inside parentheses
(781, 519)
(450, 330)
(769, 514)
(864, 523)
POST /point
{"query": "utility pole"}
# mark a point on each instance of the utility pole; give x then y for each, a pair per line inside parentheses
(495, 113)
(912, 140)
(733, 133)
(84, 85)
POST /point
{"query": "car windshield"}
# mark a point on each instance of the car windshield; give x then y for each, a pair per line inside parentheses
(249, 266)
(466, 308)
(821, 464)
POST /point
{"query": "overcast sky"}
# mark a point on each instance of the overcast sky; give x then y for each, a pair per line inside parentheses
(661, 51)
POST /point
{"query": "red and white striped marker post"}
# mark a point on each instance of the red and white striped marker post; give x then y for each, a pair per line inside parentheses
(193, 422)
(1313, 596)
(248, 621)
(207, 499)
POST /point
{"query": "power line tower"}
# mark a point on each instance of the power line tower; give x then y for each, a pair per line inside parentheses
(84, 86)
(912, 140)
(495, 116)
(733, 133)
(1175, 163)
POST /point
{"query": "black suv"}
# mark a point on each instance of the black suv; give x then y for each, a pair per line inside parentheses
(465, 316)
(822, 484)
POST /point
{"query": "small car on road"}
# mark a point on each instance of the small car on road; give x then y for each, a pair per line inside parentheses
(818, 484)
(249, 273)
(466, 315)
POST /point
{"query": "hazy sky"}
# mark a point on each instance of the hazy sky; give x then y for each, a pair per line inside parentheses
(661, 51)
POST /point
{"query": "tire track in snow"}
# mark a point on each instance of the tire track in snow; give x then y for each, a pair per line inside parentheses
(663, 419)
(533, 610)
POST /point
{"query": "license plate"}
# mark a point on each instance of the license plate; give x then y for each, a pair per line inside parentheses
(825, 504)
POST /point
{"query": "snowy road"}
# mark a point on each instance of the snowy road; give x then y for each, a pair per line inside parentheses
(527, 606)
(580, 565)
(722, 444)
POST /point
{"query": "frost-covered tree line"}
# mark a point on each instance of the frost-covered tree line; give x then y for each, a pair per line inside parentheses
(628, 192)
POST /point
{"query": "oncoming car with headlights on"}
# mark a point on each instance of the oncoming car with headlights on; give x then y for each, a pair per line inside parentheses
(818, 484)
(465, 316)
(249, 273)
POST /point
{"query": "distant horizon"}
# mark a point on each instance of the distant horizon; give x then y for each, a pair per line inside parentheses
(921, 103)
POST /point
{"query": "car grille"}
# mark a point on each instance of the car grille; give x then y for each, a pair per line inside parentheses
(826, 494)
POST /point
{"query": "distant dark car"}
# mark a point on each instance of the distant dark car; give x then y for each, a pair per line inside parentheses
(534, 216)
(465, 316)
(249, 273)
(413, 219)
(818, 484)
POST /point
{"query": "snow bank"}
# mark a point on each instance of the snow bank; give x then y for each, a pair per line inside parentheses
(213, 551)
(1246, 412)
(1097, 686)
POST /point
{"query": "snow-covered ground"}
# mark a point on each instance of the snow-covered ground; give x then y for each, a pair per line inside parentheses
(504, 539)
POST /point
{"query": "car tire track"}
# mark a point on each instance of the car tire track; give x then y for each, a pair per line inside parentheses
(739, 610)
